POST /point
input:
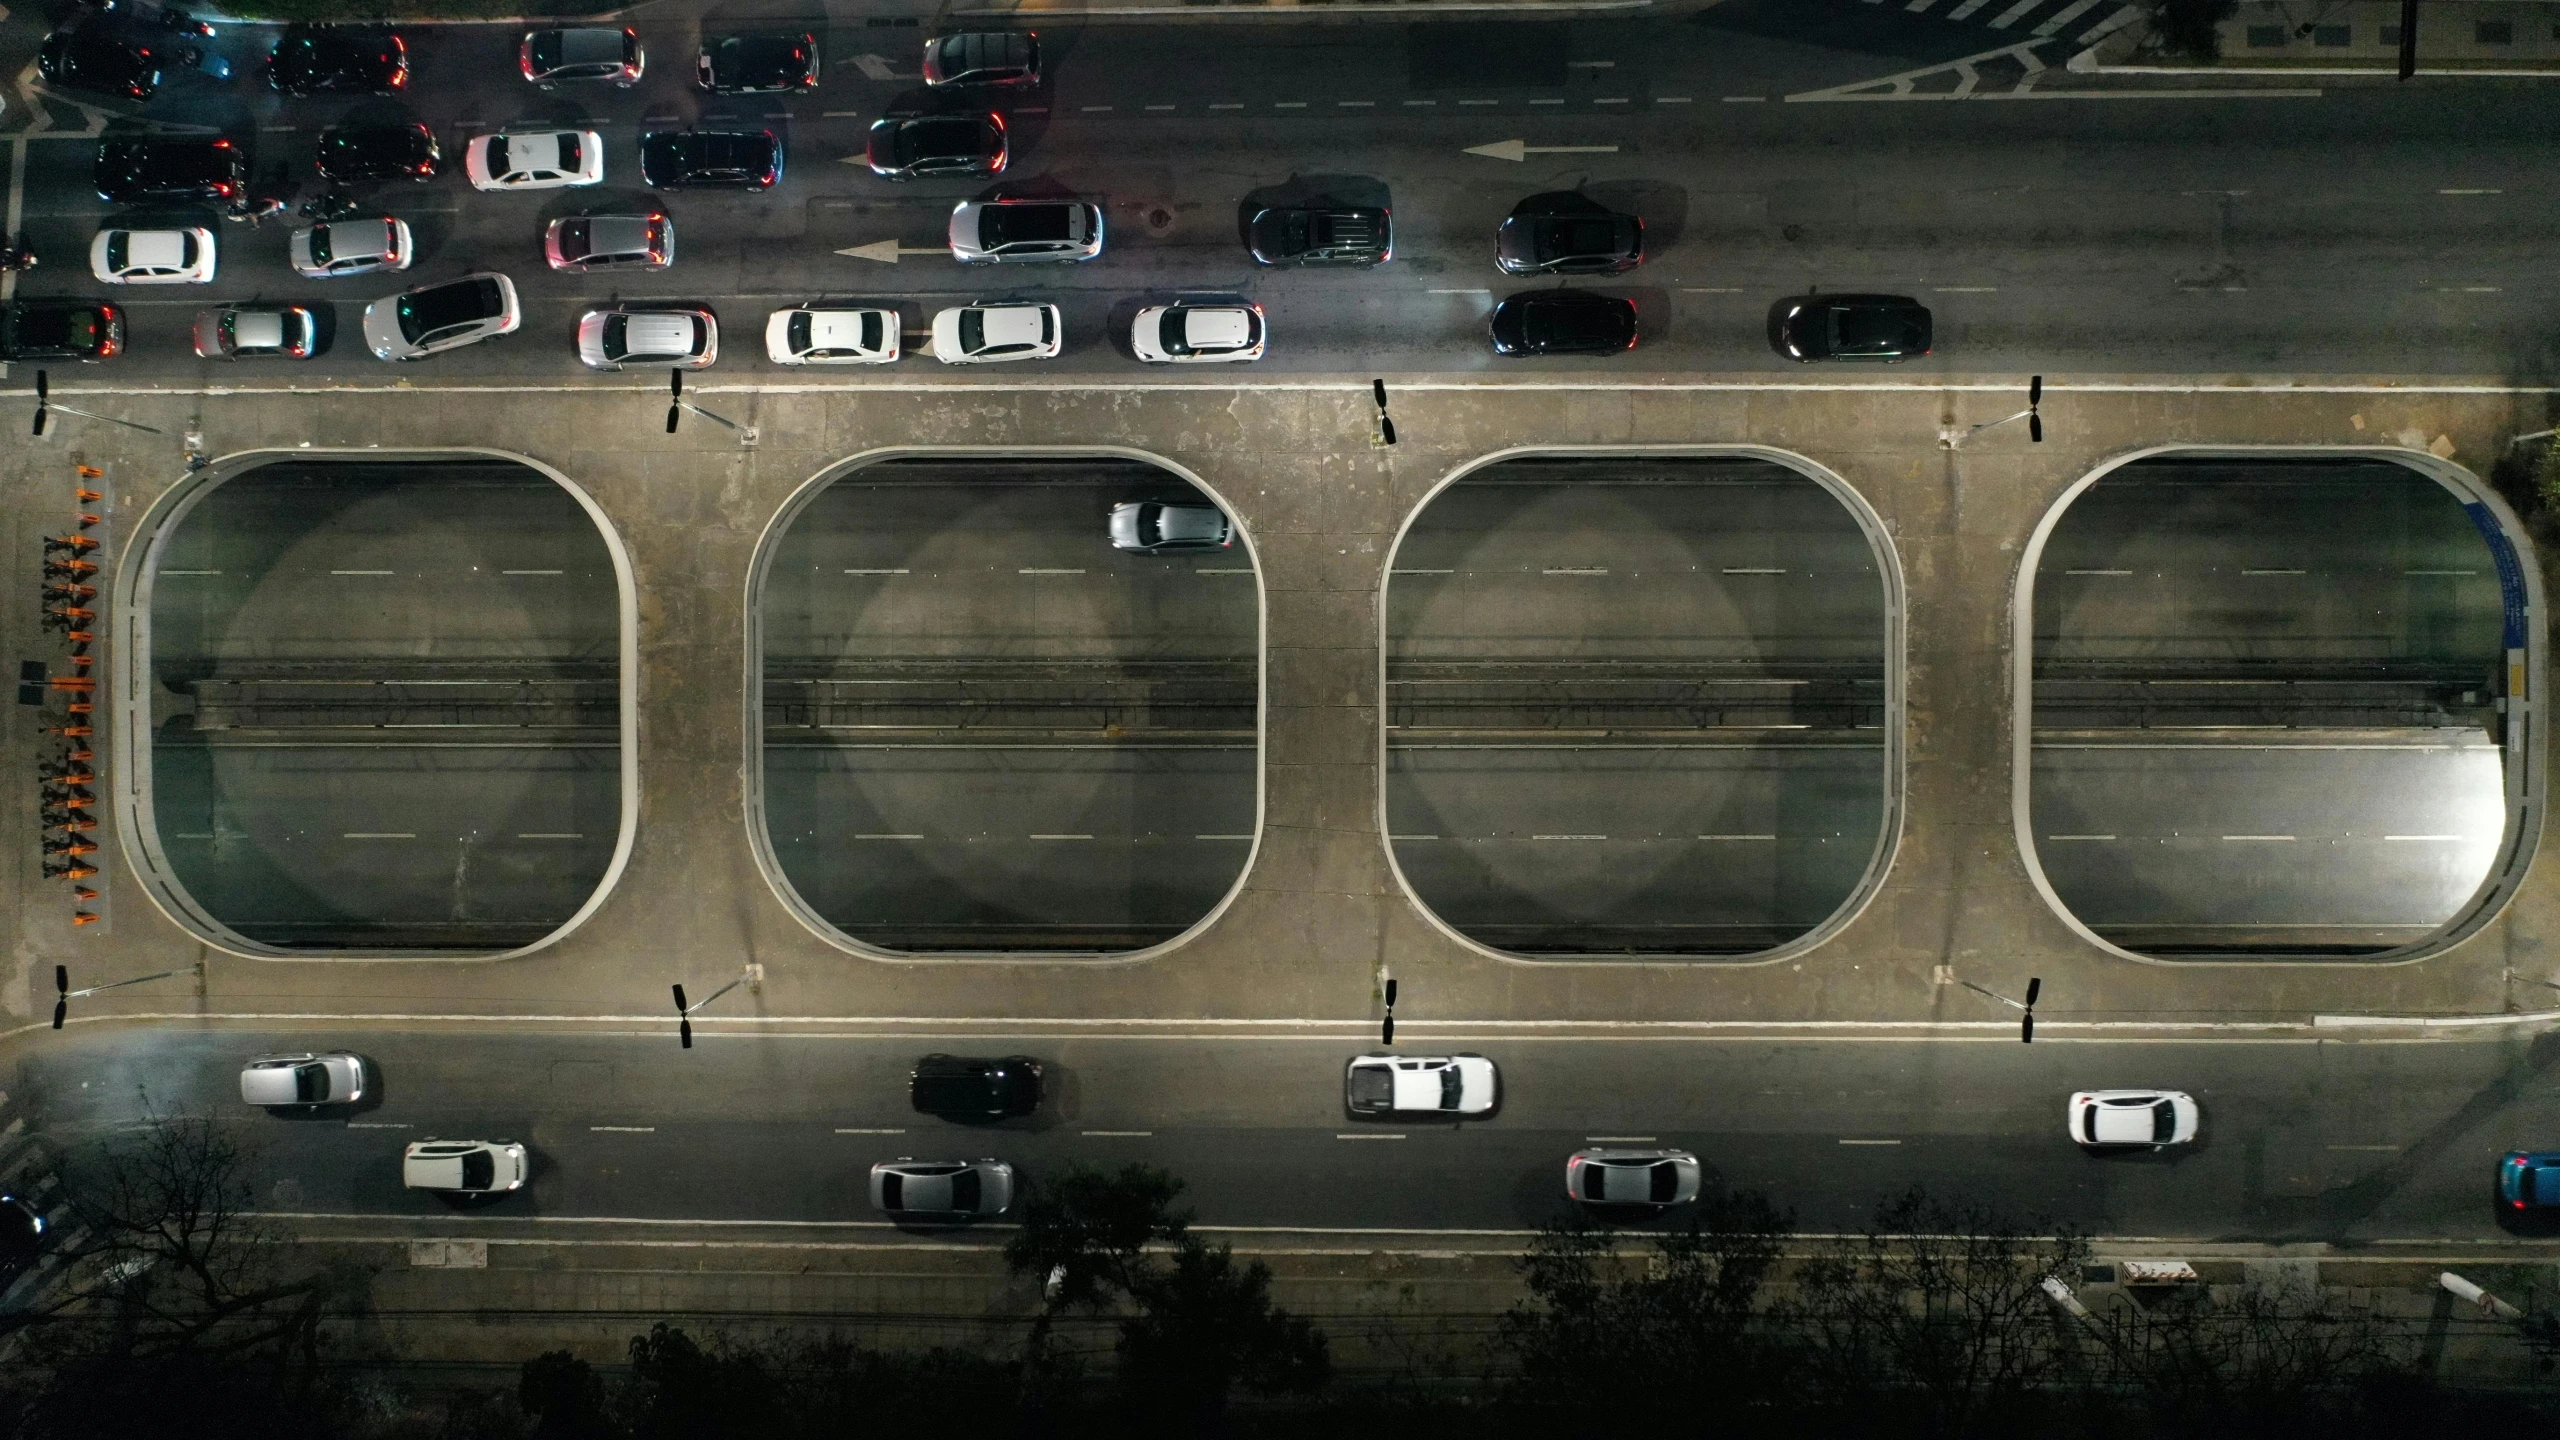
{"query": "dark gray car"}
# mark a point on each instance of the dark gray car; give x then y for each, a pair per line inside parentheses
(610, 242)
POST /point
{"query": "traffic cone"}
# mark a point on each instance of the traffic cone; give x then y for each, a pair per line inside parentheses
(72, 682)
(82, 917)
(83, 894)
(70, 847)
(71, 567)
(72, 871)
(72, 825)
(73, 543)
(85, 519)
(90, 472)
(71, 732)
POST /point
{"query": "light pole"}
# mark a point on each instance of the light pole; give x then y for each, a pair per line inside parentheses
(1386, 425)
(2026, 1021)
(1950, 437)
(678, 407)
(684, 1012)
(45, 406)
(63, 994)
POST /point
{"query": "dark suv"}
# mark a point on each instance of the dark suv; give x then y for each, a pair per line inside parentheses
(1565, 233)
(757, 64)
(1886, 328)
(327, 59)
(742, 158)
(959, 1087)
(157, 168)
(365, 154)
(90, 59)
(1320, 235)
(60, 330)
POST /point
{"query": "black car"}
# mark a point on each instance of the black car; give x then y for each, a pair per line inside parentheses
(983, 57)
(331, 59)
(959, 1087)
(676, 158)
(548, 57)
(21, 1236)
(364, 154)
(1850, 327)
(1322, 235)
(1566, 233)
(148, 169)
(910, 146)
(60, 330)
(757, 64)
(90, 60)
(1563, 322)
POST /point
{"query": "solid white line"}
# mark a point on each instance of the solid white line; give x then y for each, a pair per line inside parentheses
(883, 835)
(529, 572)
(1618, 1139)
(363, 572)
(1870, 1142)
(2079, 837)
(1030, 570)
(379, 835)
(1119, 1134)
(879, 572)
(624, 1129)
(857, 1130)
(1368, 1137)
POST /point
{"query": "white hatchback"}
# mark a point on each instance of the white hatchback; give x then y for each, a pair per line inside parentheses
(153, 257)
(683, 337)
(534, 160)
(993, 331)
(351, 247)
(1381, 1084)
(809, 335)
(464, 1167)
(1189, 334)
(336, 1078)
(2132, 1119)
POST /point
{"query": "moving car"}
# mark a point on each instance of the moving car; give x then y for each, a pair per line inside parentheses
(1631, 1182)
(431, 319)
(815, 335)
(146, 169)
(1888, 328)
(1564, 232)
(534, 160)
(964, 1087)
(91, 60)
(915, 146)
(757, 64)
(153, 257)
(948, 1191)
(551, 57)
(1563, 322)
(671, 159)
(367, 154)
(2148, 1119)
(351, 247)
(1025, 230)
(1383, 1084)
(251, 332)
(2529, 1180)
(683, 337)
(1322, 235)
(1190, 333)
(992, 331)
(464, 1167)
(983, 57)
(336, 1078)
(22, 1231)
(326, 59)
(1157, 527)
(610, 242)
(60, 330)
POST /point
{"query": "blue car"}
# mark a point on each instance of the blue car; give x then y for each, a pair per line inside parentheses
(2530, 1180)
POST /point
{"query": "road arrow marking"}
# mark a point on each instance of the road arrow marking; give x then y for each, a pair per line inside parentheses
(1521, 150)
(888, 251)
(876, 67)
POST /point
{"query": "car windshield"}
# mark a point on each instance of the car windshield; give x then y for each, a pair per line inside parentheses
(119, 250)
(498, 155)
(310, 1082)
(964, 1190)
(479, 1170)
(617, 336)
(569, 152)
(1021, 224)
(424, 312)
(939, 139)
(573, 239)
(1372, 1084)
(2164, 1122)
(1449, 1087)
(320, 254)
(796, 333)
(546, 49)
(973, 331)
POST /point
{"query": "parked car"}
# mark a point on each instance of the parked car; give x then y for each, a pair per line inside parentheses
(432, 319)
(1157, 527)
(610, 242)
(336, 248)
(1631, 1182)
(464, 1167)
(153, 169)
(983, 57)
(2529, 1180)
(1563, 322)
(913, 147)
(326, 59)
(1025, 230)
(22, 1236)
(252, 332)
(2130, 1119)
(60, 330)
(750, 159)
(94, 61)
(683, 337)
(1322, 235)
(993, 331)
(1193, 333)
(947, 1191)
(815, 335)
(550, 58)
(1888, 328)
(1564, 232)
(964, 1087)
(335, 1078)
(370, 154)
(1383, 1084)
(153, 257)
(757, 64)
(534, 160)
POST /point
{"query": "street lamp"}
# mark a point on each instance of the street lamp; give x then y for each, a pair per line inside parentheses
(2026, 1021)
(684, 1012)
(1950, 438)
(63, 994)
(678, 406)
(1386, 426)
(45, 406)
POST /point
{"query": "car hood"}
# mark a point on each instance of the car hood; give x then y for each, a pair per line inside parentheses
(382, 327)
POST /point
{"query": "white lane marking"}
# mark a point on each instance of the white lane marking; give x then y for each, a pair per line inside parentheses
(1355, 104)
(1368, 1137)
(165, 573)
(1119, 1134)
(1228, 105)
(624, 1129)
(1576, 570)
(879, 572)
(1609, 100)
(884, 835)
(2480, 290)
(1457, 292)
(1061, 837)
(1964, 289)
(2380, 1149)
(1037, 570)
(2247, 571)
(375, 1125)
(1095, 109)
(529, 572)
(1568, 837)
(2421, 837)
(1405, 571)
(1870, 1142)
(1618, 1139)
(1153, 108)
(2079, 837)
(2097, 572)
(1289, 105)
(1547, 102)
(1591, 64)
(1710, 289)
(1222, 837)
(1729, 100)
(1222, 570)
(1737, 837)
(364, 572)
(551, 835)
(862, 1130)
(2054, 24)
(2257, 837)
(2404, 572)
(2471, 192)
(1754, 570)
(378, 835)
(1479, 102)
(843, 114)
(2013, 14)
(1420, 102)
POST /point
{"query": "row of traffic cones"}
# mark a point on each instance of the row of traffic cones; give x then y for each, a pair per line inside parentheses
(68, 781)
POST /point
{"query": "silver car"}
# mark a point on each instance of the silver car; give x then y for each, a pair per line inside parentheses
(610, 242)
(1645, 1182)
(432, 319)
(351, 247)
(464, 1167)
(685, 338)
(942, 1190)
(986, 231)
(336, 1078)
(1154, 527)
(249, 332)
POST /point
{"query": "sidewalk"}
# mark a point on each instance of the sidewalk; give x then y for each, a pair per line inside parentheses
(2478, 38)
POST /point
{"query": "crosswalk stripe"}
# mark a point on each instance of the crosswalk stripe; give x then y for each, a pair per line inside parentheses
(2014, 13)
(2066, 15)
(1965, 10)
(2124, 16)
(1916, 6)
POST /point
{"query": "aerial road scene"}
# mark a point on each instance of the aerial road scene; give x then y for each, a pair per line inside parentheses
(1273, 718)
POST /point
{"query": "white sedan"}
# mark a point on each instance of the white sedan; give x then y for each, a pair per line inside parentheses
(1380, 1084)
(2127, 1119)
(534, 160)
(464, 1167)
(153, 257)
(1197, 334)
(810, 335)
(992, 331)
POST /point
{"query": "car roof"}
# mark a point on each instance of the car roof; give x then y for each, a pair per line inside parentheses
(1011, 324)
(1223, 326)
(658, 332)
(157, 249)
(836, 330)
(590, 45)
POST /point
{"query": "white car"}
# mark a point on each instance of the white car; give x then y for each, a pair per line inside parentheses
(684, 338)
(1381, 1084)
(992, 331)
(464, 1167)
(984, 231)
(1194, 334)
(336, 1078)
(2127, 1119)
(947, 1191)
(432, 319)
(153, 257)
(809, 335)
(534, 160)
(1631, 1182)
(351, 247)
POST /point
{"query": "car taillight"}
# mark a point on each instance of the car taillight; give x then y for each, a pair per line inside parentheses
(400, 78)
(225, 189)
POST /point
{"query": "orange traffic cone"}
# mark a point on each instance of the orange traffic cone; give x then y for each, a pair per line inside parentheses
(89, 472)
(82, 917)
